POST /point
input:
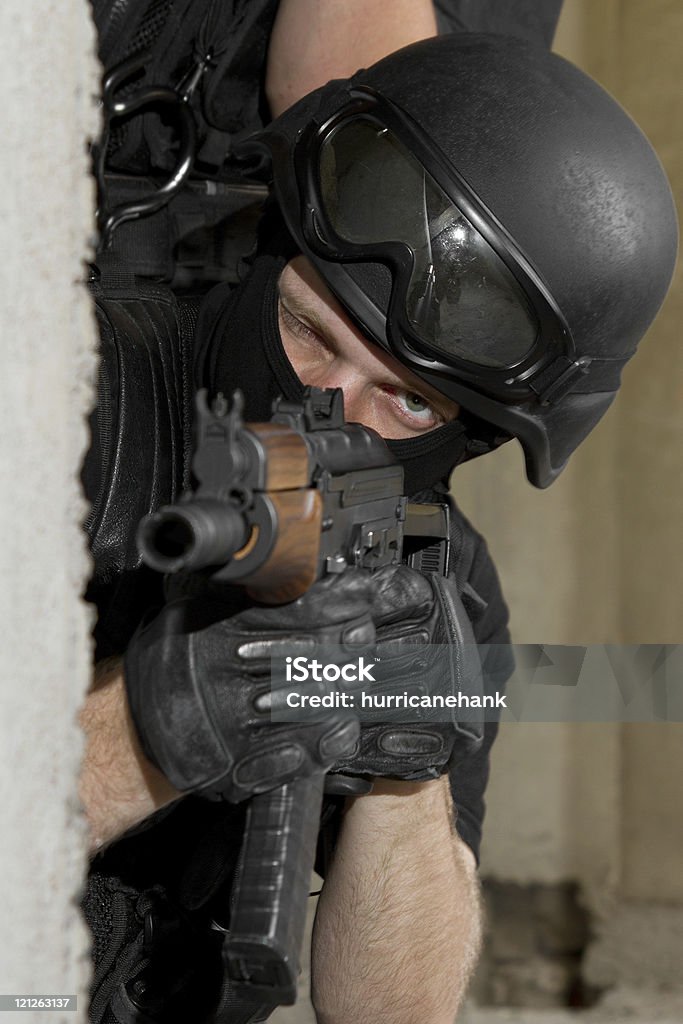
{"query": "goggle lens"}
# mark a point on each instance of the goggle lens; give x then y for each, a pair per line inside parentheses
(462, 301)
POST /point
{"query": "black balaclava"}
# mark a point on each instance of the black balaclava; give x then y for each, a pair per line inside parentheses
(239, 346)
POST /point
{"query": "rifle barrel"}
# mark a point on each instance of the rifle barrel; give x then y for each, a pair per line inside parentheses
(192, 536)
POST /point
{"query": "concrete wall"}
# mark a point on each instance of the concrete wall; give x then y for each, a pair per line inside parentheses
(47, 83)
(597, 558)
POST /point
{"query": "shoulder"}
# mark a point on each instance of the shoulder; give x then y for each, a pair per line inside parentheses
(482, 596)
(475, 573)
(477, 579)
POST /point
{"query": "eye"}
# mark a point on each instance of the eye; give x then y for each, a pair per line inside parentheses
(296, 326)
(415, 403)
(413, 408)
(418, 408)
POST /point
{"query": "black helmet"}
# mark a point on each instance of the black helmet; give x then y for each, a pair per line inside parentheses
(489, 215)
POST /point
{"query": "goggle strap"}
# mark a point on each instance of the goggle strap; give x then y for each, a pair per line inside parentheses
(557, 379)
(564, 375)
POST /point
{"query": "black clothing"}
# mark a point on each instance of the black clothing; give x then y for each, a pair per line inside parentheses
(483, 599)
(140, 443)
(173, 874)
(535, 20)
(136, 472)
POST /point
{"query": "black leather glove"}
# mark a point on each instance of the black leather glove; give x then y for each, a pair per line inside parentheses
(194, 676)
(411, 610)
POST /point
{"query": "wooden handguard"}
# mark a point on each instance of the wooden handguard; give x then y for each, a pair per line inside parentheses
(292, 566)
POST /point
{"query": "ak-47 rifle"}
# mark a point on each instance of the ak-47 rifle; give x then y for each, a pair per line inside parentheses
(278, 505)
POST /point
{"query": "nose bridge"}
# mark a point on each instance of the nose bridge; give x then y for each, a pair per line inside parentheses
(345, 374)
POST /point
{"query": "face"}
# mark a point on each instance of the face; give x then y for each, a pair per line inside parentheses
(328, 351)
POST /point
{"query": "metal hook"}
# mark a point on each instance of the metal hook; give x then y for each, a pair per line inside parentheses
(150, 96)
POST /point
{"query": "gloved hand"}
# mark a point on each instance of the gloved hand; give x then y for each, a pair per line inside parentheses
(194, 676)
(411, 610)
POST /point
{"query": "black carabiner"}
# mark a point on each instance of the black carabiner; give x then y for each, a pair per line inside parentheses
(150, 96)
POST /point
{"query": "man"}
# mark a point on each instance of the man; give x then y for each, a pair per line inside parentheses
(386, 837)
(457, 323)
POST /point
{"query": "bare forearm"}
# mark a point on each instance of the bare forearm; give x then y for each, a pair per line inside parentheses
(315, 40)
(398, 926)
(118, 786)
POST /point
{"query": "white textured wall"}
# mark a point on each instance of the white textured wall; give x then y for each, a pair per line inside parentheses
(47, 83)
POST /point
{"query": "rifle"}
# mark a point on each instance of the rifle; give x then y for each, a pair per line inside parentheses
(276, 506)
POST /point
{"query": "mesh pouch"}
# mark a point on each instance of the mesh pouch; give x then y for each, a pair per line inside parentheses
(171, 37)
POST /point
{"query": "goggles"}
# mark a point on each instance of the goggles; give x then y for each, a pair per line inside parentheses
(465, 302)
